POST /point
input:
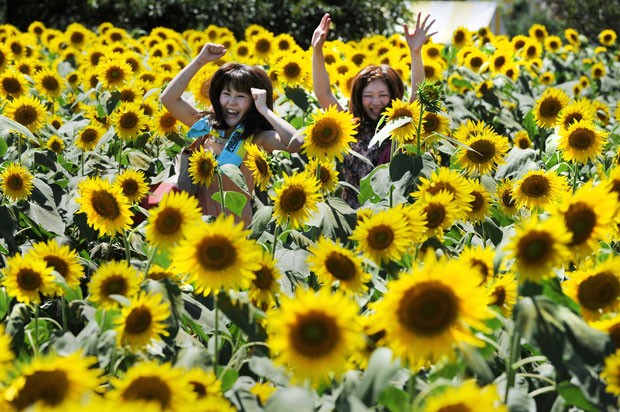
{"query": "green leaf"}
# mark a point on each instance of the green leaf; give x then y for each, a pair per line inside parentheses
(380, 371)
(47, 217)
(264, 367)
(234, 201)
(396, 400)
(291, 398)
(298, 96)
(234, 173)
(375, 185)
(6, 123)
(228, 379)
(574, 396)
(387, 130)
(3, 148)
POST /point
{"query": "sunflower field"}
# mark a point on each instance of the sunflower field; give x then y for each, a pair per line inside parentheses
(481, 271)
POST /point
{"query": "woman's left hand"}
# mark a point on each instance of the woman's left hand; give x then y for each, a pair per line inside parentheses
(420, 35)
(260, 99)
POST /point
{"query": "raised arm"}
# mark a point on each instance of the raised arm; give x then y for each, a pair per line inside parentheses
(283, 136)
(320, 77)
(172, 98)
(415, 41)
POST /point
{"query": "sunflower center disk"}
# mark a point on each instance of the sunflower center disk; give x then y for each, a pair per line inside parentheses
(26, 115)
(47, 387)
(217, 253)
(15, 182)
(484, 151)
(550, 108)
(315, 335)
(29, 280)
(293, 200)
(435, 215)
(115, 285)
(263, 278)
(598, 291)
(59, 265)
(427, 310)
(380, 237)
(580, 220)
(138, 321)
(168, 222)
(340, 266)
(149, 388)
(128, 121)
(535, 247)
(581, 139)
(535, 186)
(105, 205)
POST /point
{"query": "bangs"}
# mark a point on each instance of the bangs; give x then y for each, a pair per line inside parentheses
(237, 79)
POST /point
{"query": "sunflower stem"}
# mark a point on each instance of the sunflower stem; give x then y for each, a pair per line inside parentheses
(19, 149)
(63, 309)
(276, 233)
(36, 329)
(126, 244)
(149, 262)
(215, 336)
(120, 154)
(221, 188)
(510, 370)
(419, 131)
(82, 162)
(575, 173)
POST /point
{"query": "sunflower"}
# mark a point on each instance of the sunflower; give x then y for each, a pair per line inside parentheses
(538, 189)
(55, 144)
(553, 43)
(549, 105)
(547, 78)
(204, 384)
(113, 278)
(461, 36)
(149, 382)
(26, 279)
(88, 138)
(539, 246)
(49, 83)
(441, 212)
(429, 310)
(17, 182)
(28, 111)
(172, 219)
(481, 205)
(598, 70)
(314, 333)
(607, 37)
(7, 357)
(263, 392)
(202, 166)
(217, 256)
(106, 207)
(487, 152)
(595, 287)
(400, 109)
(54, 383)
(451, 181)
(504, 197)
(330, 134)
(265, 286)
(581, 141)
(293, 69)
(611, 373)
(113, 73)
(296, 199)
(333, 263)
(503, 293)
(262, 45)
(384, 236)
(129, 120)
(480, 258)
(434, 124)
(468, 396)
(60, 258)
(610, 326)
(13, 83)
(327, 174)
(588, 215)
(434, 70)
(575, 111)
(522, 140)
(6, 56)
(142, 321)
(133, 185)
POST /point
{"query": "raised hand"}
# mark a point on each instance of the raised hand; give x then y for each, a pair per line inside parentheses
(260, 99)
(211, 52)
(320, 33)
(421, 33)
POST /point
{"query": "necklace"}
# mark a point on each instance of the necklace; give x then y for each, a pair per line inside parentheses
(217, 139)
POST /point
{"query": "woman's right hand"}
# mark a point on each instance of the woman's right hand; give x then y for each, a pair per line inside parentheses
(320, 33)
(211, 52)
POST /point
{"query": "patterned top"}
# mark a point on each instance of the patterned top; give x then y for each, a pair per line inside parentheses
(353, 169)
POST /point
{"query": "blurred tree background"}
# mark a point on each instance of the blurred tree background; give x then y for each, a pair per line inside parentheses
(353, 19)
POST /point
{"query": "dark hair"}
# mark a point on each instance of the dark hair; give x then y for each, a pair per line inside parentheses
(240, 77)
(364, 77)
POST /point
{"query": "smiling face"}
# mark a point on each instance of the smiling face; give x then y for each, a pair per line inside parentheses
(375, 98)
(235, 105)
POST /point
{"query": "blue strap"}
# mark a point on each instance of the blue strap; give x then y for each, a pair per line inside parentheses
(200, 128)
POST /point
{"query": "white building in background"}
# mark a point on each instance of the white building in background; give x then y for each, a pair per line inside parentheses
(449, 15)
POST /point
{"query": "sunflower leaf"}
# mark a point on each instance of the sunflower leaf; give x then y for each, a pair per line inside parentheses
(234, 173)
(6, 123)
(46, 217)
(3, 147)
(387, 130)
